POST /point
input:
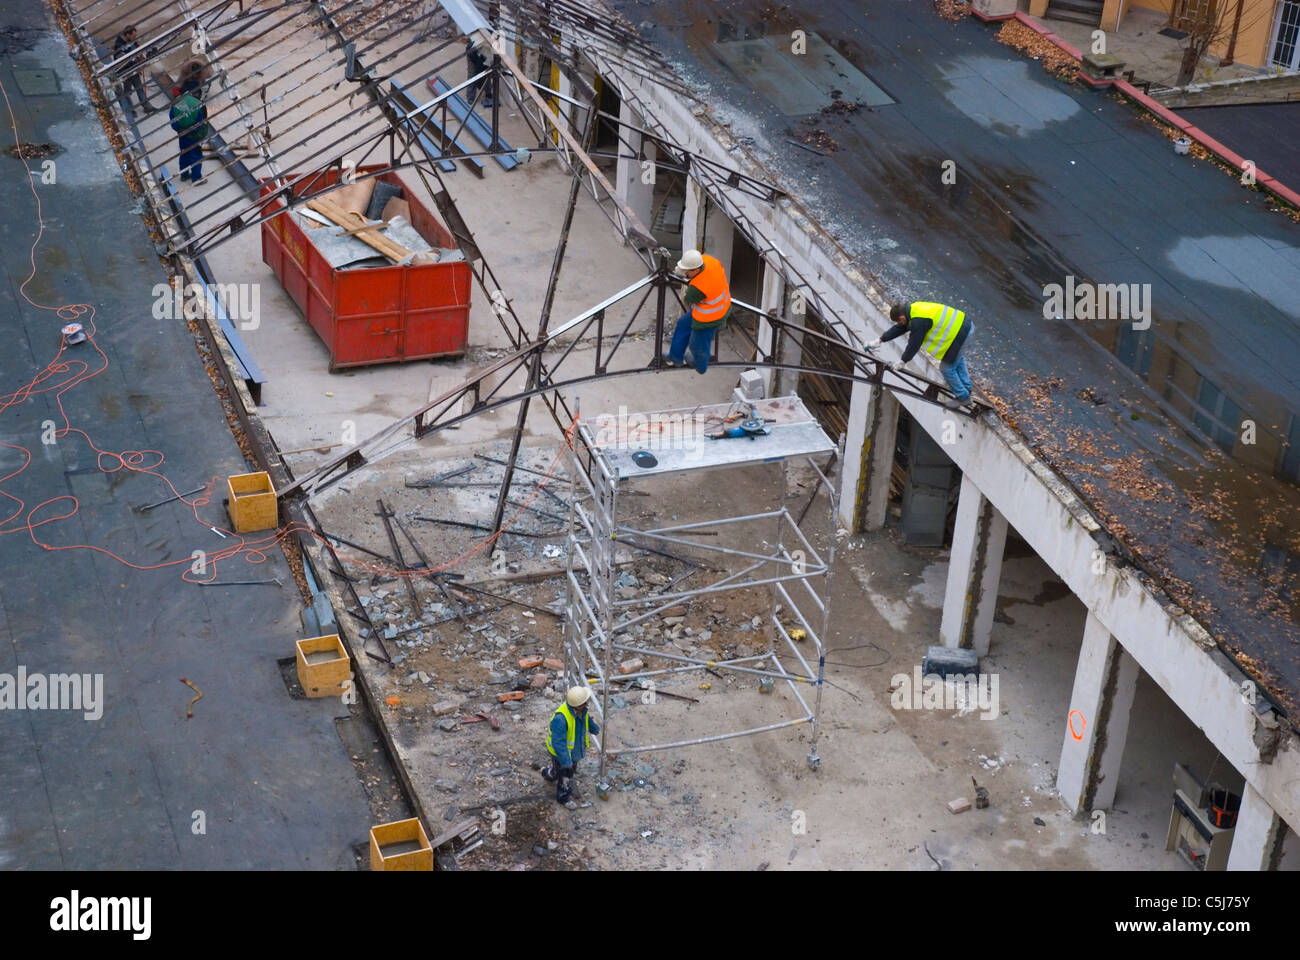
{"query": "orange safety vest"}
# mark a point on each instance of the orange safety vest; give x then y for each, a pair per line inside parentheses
(712, 282)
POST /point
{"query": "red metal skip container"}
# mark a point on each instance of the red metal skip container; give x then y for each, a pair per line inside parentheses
(369, 315)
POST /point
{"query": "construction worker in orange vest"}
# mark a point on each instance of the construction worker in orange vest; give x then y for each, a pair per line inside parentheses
(708, 297)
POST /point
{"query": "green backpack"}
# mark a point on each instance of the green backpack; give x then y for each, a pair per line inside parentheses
(187, 113)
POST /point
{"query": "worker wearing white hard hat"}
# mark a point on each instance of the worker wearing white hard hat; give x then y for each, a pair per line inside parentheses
(564, 743)
(708, 300)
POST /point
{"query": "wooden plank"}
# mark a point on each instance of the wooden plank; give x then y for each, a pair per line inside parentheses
(453, 832)
(368, 235)
(369, 225)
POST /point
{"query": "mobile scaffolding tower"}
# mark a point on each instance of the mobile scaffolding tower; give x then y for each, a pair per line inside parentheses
(608, 452)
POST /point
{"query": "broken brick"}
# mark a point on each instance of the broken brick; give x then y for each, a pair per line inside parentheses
(527, 663)
(631, 666)
(447, 706)
(538, 681)
(550, 663)
(516, 695)
(960, 805)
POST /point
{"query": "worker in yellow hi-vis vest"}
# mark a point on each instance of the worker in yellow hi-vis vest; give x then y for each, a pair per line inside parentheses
(708, 297)
(567, 740)
(942, 331)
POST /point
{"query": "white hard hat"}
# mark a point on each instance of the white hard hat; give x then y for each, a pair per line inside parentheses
(577, 696)
(691, 260)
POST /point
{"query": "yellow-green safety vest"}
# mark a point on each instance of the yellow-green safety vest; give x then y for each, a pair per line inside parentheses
(947, 322)
(571, 723)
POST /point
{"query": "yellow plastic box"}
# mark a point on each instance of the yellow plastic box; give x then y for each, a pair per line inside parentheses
(323, 666)
(400, 846)
(251, 502)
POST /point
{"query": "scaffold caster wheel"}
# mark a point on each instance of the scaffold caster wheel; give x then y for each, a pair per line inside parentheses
(814, 761)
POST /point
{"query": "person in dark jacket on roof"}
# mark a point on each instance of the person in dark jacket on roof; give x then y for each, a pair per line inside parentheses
(475, 63)
(942, 331)
(128, 71)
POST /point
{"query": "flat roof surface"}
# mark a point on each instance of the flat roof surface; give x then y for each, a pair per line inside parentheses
(1266, 133)
(678, 440)
(1057, 181)
(270, 773)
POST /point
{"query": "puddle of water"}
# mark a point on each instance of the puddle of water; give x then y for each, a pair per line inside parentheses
(1243, 263)
(981, 101)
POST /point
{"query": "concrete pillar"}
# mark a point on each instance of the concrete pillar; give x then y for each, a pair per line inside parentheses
(1096, 726)
(631, 171)
(693, 215)
(878, 458)
(974, 571)
(1257, 841)
(772, 300)
(868, 458)
(1112, 731)
(789, 351)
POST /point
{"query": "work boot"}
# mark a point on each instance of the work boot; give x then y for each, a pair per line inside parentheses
(564, 790)
(548, 773)
(955, 404)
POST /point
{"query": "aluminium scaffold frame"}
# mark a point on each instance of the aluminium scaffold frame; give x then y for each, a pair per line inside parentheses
(796, 574)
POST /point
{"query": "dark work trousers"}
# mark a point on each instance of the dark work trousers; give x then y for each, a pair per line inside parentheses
(556, 774)
(133, 82)
(191, 159)
(700, 342)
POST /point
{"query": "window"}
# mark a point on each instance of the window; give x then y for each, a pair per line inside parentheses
(1286, 36)
(1217, 415)
(1134, 350)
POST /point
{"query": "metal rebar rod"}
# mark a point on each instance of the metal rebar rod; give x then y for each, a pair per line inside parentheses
(366, 550)
(510, 532)
(497, 596)
(387, 516)
(189, 493)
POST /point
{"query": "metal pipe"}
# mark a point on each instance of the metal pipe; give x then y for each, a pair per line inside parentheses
(699, 663)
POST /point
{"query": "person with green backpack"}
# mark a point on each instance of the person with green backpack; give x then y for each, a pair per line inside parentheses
(189, 118)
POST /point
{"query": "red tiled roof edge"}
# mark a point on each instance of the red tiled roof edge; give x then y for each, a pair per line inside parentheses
(1271, 184)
